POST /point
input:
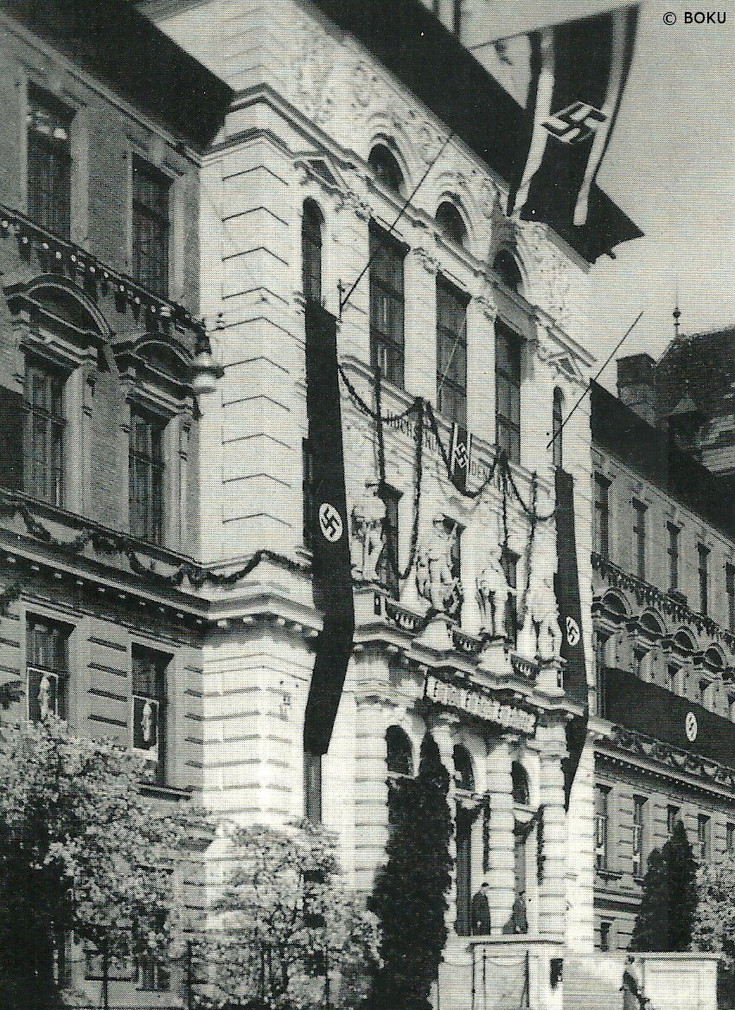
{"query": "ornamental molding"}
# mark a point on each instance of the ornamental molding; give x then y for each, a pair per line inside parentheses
(676, 760)
(648, 594)
(428, 262)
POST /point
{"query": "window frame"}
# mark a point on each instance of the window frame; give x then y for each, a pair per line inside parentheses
(50, 207)
(730, 593)
(639, 835)
(703, 553)
(602, 827)
(152, 502)
(704, 837)
(674, 557)
(312, 251)
(557, 423)
(55, 421)
(59, 672)
(451, 392)
(160, 223)
(387, 338)
(507, 429)
(388, 564)
(640, 538)
(156, 755)
(602, 515)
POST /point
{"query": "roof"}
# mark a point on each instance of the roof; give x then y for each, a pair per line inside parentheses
(700, 366)
(654, 457)
(414, 45)
(121, 47)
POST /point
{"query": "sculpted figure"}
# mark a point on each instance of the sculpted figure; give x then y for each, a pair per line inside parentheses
(368, 517)
(434, 579)
(492, 596)
(541, 634)
(44, 697)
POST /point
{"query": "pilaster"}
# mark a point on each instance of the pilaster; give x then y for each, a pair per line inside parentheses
(552, 903)
(371, 788)
(500, 845)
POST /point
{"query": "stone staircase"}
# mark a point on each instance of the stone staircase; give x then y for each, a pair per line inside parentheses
(499, 981)
(593, 983)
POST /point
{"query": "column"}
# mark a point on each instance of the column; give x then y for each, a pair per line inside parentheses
(371, 789)
(500, 870)
(552, 897)
(481, 313)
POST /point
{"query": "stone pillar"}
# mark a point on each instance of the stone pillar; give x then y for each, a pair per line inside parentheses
(371, 789)
(552, 897)
(500, 871)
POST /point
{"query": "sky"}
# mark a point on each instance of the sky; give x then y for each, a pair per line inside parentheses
(670, 166)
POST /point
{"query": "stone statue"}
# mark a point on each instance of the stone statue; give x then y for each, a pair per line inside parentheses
(492, 596)
(368, 519)
(540, 637)
(434, 578)
(147, 724)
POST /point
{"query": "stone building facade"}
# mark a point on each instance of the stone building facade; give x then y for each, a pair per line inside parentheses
(353, 178)
(99, 209)
(664, 618)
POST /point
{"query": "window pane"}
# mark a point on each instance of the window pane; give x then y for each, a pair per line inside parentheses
(150, 227)
(49, 162)
(146, 477)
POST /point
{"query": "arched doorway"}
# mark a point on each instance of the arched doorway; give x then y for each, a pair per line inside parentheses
(464, 781)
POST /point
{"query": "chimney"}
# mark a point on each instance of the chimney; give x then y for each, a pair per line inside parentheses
(636, 385)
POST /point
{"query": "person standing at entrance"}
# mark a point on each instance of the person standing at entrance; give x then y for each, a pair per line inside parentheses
(481, 911)
(632, 987)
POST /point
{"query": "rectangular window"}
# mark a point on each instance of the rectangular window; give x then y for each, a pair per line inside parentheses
(451, 356)
(730, 839)
(639, 806)
(509, 561)
(602, 801)
(703, 553)
(149, 708)
(672, 816)
(605, 933)
(44, 433)
(152, 973)
(146, 476)
(388, 563)
(703, 837)
(508, 347)
(386, 305)
(47, 666)
(602, 516)
(673, 552)
(150, 227)
(639, 537)
(49, 162)
(730, 590)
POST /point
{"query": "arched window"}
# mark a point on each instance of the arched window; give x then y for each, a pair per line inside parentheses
(311, 252)
(519, 779)
(556, 422)
(386, 168)
(400, 751)
(450, 223)
(464, 777)
(684, 641)
(714, 658)
(507, 269)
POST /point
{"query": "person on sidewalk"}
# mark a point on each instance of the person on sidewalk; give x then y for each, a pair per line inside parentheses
(481, 911)
(632, 987)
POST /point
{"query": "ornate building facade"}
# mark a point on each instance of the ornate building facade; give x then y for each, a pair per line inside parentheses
(158, 530)
(664, 617)
(101, 365)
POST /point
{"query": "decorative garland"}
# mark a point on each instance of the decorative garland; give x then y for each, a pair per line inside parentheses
(116, 543)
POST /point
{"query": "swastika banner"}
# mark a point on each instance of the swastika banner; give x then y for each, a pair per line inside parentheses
(578, 74)
(331, 565)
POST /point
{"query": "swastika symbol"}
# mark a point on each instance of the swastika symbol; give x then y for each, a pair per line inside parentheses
(330, 522)
(573, 633)
(460, 455)
(690, 727)
(575, 123)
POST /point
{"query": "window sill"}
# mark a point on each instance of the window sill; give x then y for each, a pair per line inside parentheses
(164, 792)
(608, 874)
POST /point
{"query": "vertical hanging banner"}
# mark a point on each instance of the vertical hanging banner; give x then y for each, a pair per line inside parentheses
(331, 562)
(460, 456)
(570, 613)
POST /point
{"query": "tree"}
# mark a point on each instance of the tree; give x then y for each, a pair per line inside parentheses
(714, 919)
(410, 891)
(287, 927)
(669, 900)
(82, 849)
